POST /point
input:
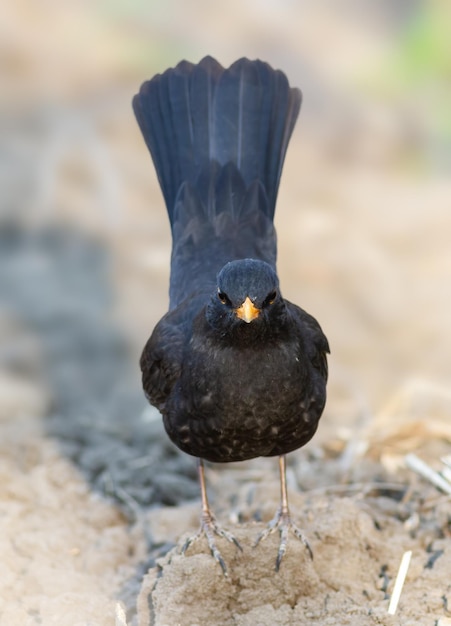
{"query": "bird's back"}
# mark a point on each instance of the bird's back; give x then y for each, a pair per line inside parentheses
(218, 139)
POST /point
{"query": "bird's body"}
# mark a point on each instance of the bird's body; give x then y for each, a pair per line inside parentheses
(244, 396)
(236, 371)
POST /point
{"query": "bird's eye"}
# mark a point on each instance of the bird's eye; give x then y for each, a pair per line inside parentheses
(270, 298)
(223, 297)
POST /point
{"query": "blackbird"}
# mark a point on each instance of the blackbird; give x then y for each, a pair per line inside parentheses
(236, 370)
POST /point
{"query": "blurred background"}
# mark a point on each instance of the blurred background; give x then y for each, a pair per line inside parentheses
(363, 217)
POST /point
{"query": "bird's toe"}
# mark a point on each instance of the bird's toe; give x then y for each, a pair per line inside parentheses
(210, 529)
(283, 523)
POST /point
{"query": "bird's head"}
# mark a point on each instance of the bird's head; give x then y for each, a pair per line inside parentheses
(247, 294)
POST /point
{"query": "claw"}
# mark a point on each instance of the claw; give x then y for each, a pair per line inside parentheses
(282, 522)
(209, 527)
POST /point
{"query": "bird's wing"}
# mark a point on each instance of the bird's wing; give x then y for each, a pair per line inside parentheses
(314, 340)
(162, 357)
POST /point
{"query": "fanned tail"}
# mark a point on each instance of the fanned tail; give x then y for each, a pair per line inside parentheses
(196, 119)
(218, 139)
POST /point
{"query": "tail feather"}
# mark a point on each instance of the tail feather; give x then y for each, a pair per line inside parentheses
(236, 132)
(196, 119)
(204, 79)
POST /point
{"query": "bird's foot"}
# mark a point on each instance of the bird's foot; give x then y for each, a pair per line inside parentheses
(209, 527)
(282, 522)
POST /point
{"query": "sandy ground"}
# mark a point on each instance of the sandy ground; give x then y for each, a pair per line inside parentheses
(58, 540)
(359, 520)
(95, 503)
(69, 557)
(348, 582)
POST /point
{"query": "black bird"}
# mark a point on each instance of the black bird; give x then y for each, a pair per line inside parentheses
(236, 370)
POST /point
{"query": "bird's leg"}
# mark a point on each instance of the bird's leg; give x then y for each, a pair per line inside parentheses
(282, 519)
(208, 524)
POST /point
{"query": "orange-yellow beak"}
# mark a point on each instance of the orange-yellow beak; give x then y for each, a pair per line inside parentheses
(247, 311)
